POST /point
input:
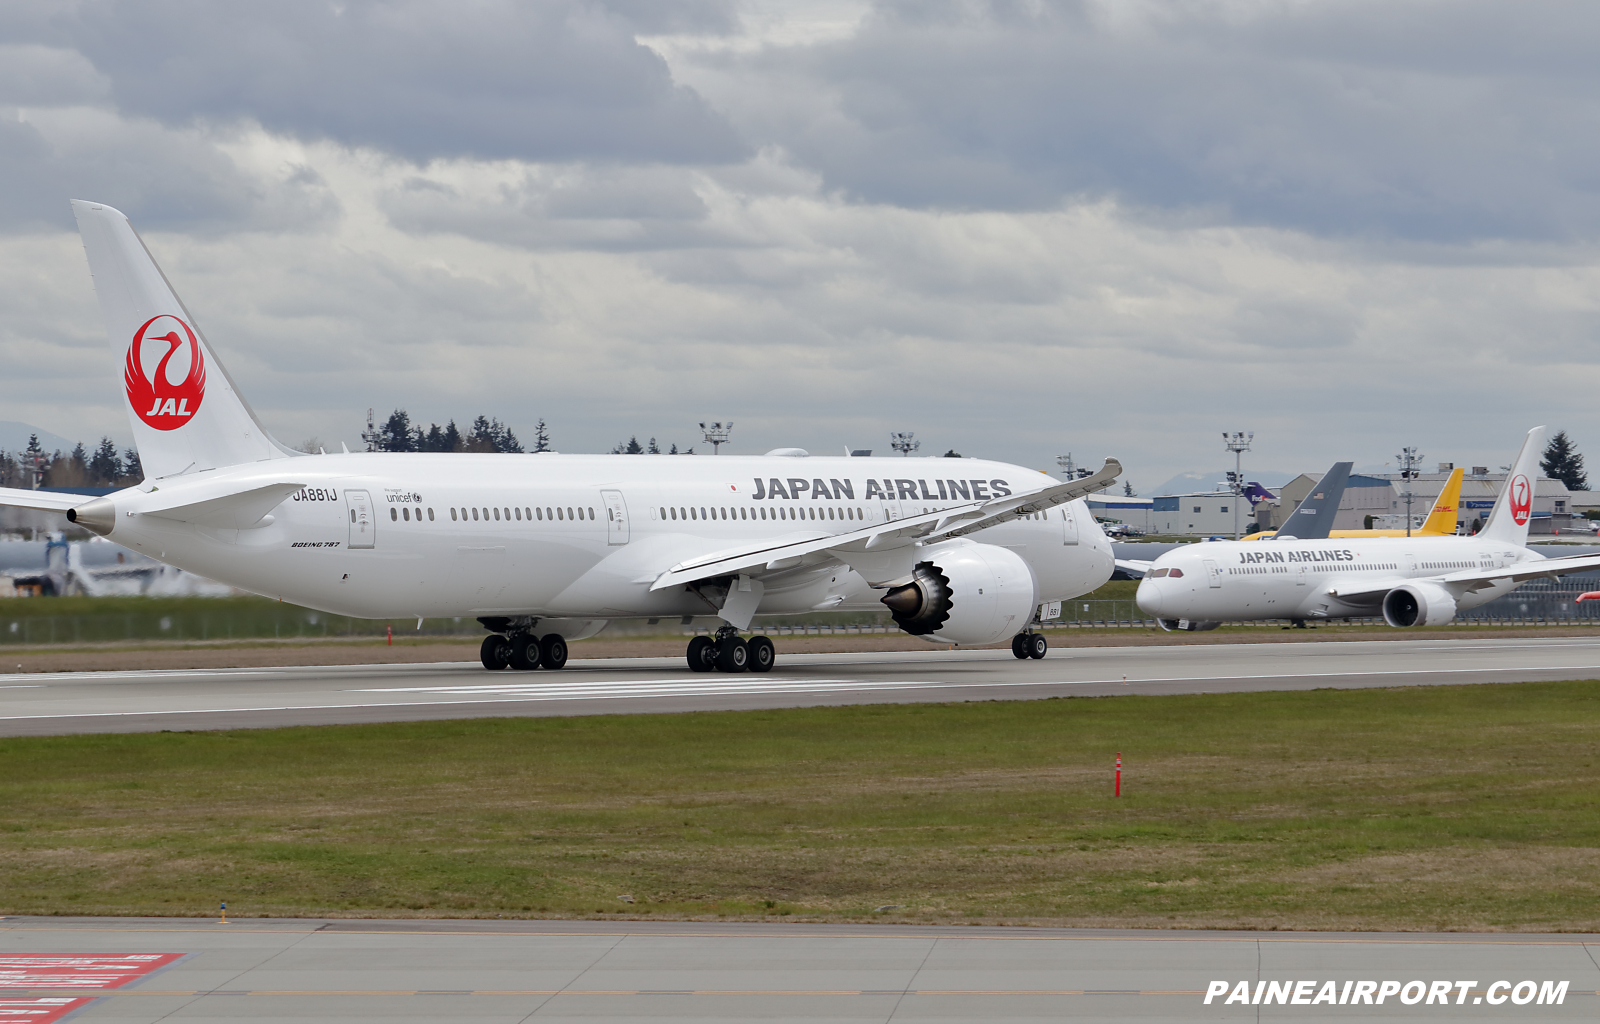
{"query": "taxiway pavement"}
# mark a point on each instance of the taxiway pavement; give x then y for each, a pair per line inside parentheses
(318, 970)
(54, 703)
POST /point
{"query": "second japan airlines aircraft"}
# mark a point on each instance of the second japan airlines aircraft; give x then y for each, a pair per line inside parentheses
(1410, 581)
(547, 548)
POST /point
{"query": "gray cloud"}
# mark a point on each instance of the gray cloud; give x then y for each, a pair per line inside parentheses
(1448, 121)
(546, 81)
(160, 177)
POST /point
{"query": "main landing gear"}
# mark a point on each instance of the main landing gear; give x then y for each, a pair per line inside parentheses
(1029, 645)
(727, 652)
(523, 650)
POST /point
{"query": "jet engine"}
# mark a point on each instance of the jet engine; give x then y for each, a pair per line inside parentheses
(966, 593)
(1418, 604)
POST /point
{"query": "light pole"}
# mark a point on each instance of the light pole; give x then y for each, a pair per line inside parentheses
(904, 441)
(716, 435)
(1409, 459)
(1238, 443)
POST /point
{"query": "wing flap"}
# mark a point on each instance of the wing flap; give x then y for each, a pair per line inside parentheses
(945, 523)
(1477, 579)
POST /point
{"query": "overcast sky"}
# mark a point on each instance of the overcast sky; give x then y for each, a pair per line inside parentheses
(1017, 229)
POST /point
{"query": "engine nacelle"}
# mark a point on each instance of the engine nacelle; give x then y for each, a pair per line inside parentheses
(1418, 604)
(966, 593)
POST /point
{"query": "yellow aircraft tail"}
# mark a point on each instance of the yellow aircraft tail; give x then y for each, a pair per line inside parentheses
(1442, 520)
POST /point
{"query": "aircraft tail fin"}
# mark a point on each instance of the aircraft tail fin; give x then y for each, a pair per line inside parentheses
(1314, 518)
(1447, 509)
(1514, 508)
(185, 412)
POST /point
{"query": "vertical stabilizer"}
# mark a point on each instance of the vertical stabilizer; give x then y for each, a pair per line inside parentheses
(1314, 518)
(186, 414)
(1514, 508)
(1447, 509)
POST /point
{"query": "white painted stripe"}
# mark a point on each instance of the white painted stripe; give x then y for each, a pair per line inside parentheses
(611, 691)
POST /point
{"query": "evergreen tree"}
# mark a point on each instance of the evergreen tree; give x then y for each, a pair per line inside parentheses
(631, 447)
(653, 448)
(1127, 489)
(105, 467)
(952, 454)
(452, 438)
(1562, 462)
(396, 434)
(132, 468)
(541, 437)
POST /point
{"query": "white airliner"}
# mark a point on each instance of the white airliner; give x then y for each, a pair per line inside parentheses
(1410, 581)
(546, 548)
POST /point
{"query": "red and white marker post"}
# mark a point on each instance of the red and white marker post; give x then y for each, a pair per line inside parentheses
(1119, 773)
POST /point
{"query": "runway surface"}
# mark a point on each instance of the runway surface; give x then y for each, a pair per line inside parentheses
(311, 971)
(53, 703)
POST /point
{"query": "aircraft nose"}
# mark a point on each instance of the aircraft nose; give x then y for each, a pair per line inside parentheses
(1148, 598)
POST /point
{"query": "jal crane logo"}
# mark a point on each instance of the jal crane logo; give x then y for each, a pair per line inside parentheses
(1521, 499)
(156, 399)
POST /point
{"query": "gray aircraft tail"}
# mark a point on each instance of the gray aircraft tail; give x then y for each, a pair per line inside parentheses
(1314, 518)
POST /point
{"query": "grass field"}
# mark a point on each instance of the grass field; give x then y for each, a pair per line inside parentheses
(1435, 808)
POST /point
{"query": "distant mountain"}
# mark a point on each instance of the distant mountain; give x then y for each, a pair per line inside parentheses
(14, 438)
(1185, 483)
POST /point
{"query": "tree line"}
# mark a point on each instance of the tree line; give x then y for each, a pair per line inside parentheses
(106, 467)
(485, 435)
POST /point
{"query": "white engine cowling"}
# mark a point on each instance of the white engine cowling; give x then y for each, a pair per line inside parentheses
(1418, 604)
(966, 593)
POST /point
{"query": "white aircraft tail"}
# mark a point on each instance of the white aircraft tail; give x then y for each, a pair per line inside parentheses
(1514, 508)
(185, 412)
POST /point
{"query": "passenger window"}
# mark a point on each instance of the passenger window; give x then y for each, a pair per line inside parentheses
(591, 513)
(519, 514)
(569, 511)
(452, 515)
(430, 515)
(527, 513)
(393, 514)
(407, 511)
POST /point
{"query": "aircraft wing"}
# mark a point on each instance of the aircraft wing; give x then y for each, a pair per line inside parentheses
(45, 501)
(960, 521)
(1134, 567)
(1478, 579)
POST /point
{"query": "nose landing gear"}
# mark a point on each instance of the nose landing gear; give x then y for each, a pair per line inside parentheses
(727, 652)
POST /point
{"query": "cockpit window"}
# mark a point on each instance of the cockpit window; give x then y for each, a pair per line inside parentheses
(1156, 574)
(1174, 572)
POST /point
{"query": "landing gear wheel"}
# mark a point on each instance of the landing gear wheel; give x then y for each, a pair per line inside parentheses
(1037, 645)
(495, 652)
(702, 654)
(1019, 645)
(762, 654)
(732, 655)
(553, 651)
(524, 648)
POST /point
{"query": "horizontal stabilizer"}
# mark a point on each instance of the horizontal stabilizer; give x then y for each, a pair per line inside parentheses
(45, 501)
(239, 511)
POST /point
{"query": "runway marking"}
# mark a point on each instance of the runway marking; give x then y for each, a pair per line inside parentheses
(44, 996)
(618, 689)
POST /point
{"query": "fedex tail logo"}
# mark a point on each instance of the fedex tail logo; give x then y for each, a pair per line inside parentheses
(156, 398)
(1521, 499)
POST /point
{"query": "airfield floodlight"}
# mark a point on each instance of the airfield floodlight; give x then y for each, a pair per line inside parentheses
(904, 441)
(716, 434)
(1409, 459)
(1068, 467)
(1238, 443)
